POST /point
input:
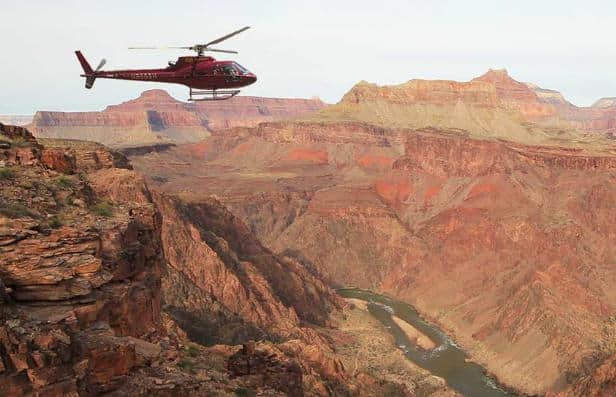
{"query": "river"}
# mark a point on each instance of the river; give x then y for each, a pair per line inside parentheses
(446, 360)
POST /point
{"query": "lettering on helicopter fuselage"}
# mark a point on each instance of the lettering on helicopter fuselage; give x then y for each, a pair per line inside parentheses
(140, 76)
(144, 76)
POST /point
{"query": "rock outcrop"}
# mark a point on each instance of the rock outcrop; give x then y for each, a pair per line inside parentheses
(155, 117)
(598, 118)
(485, 236)
(605, 103)
(493, 106)
(79, 276)
(105, 286)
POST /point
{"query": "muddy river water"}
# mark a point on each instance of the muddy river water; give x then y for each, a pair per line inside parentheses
(446, 360)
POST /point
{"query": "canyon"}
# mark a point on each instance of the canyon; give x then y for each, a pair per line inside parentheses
(109, 287)
(156, 117)
(480, 203)
(488, 205)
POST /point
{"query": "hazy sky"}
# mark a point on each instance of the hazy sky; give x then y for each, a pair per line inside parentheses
(304, 49)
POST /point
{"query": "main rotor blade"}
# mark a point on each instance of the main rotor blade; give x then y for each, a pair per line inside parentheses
(159, 48)
(223, 38)
(216, 50)
(100, 65)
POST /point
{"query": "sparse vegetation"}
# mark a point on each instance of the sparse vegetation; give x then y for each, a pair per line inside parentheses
(7, 173)
(15, 210)
(244, 392)
(54, 222)
(102, 208)
(186, 365)
(20, 142)
(63, 182)
(193, 351)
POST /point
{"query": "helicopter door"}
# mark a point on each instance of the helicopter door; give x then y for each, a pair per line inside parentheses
(230, 73)
(203, 71)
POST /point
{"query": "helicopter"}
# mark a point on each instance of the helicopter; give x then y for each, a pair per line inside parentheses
(206, 78)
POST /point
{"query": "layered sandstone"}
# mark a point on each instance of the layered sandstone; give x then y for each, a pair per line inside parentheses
(80, 291)
(605, 103)
(493, 105)
(486, 237)
(598, 118)
(156, 117)
(598, 383)
(103, 284)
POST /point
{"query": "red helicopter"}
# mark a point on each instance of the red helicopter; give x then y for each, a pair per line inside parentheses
(206, 78)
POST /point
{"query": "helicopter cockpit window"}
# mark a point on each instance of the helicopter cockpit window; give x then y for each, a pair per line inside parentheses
(242, 69)
(229, 70)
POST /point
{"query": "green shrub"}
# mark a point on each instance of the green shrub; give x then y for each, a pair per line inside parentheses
(102, 208)
(193, 351)
(186, 365)
(64, 182)
(7, 173)
(54, 222)
(20, 142)
(244, 392)
(15, 210)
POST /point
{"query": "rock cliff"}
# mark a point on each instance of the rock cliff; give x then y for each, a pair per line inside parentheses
(486, 237)
(605, 103)
(156, 117)
(79, 281)
(108, 287)
(493, 105)
(598, 118)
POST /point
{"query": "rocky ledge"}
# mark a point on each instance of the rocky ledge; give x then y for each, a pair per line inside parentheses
(106, 286)
(80, 295)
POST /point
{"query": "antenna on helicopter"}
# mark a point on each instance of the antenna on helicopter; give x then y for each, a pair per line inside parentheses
(200, 48)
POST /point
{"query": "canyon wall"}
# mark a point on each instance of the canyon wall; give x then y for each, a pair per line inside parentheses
(109, 287)
(487, 237)
(599, 118)
(493, 106)
(156, 117)
(80, 291)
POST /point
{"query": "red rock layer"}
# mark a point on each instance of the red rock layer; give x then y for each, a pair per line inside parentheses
(78, 288)
(494, 89)
(83, 309)
(155, 116)
(600, 117)
(486, 237)
(601, 382)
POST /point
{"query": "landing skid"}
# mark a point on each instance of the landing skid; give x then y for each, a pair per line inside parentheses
(211, 95)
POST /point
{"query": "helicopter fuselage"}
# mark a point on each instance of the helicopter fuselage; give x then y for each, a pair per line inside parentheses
(199, 72)
(207, 78)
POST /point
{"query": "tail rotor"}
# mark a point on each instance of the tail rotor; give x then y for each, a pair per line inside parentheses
(89, 74)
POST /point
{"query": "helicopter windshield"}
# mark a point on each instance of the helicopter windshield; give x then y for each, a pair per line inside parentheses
(239, 67)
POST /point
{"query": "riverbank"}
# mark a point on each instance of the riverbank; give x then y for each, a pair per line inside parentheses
(448, 361)
(372, 349)
(413, 334)
(504, 364)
